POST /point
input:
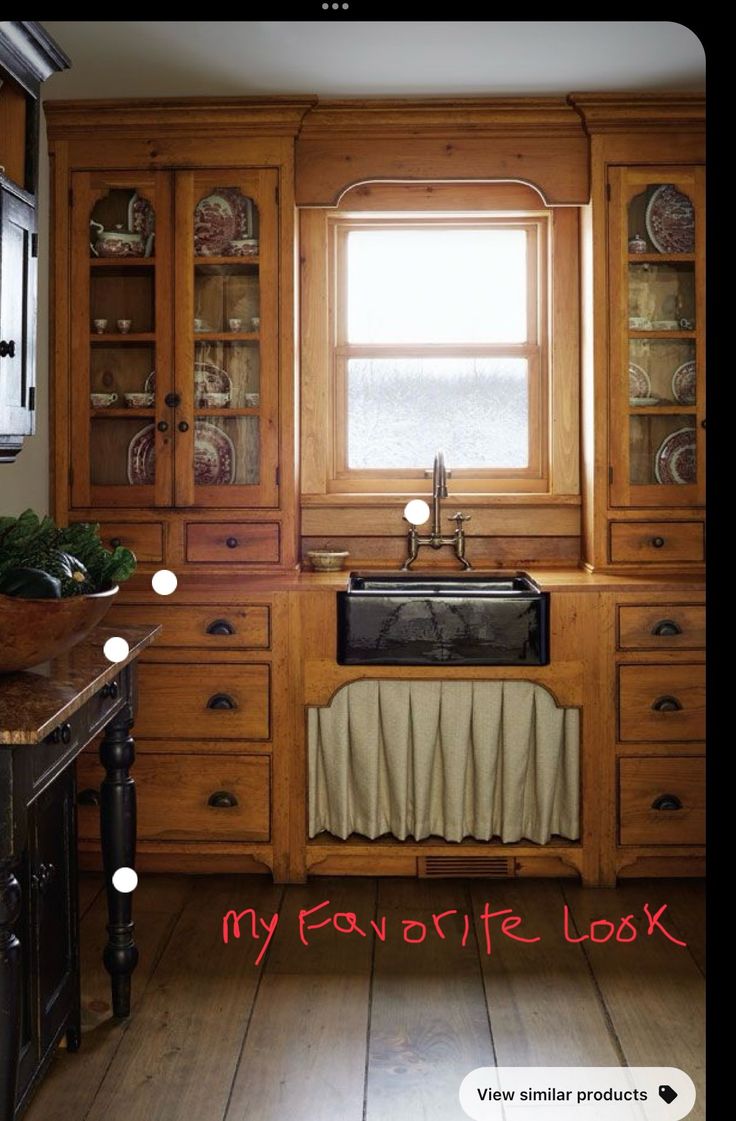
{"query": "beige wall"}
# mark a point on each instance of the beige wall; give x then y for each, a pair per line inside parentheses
(26, 482)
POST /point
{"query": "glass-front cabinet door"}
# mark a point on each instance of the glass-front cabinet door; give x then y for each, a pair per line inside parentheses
(658, 337)
(121, 339)
(226, 338)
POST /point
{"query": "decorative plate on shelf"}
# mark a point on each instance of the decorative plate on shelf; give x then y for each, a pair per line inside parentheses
(141, 220)
(670, 220)
(639, 383)
(684, 383)
(643, 402)
(675, 459)
(220, 218)
(149, 385)
(209, 378)
(214, 456)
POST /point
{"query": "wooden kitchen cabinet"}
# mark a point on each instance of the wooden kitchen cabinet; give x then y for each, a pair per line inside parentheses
(644, 365)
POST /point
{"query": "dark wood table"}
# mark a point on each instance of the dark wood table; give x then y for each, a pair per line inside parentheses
(48, 715)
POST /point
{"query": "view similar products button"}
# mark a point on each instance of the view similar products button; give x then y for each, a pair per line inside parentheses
(577, 1094)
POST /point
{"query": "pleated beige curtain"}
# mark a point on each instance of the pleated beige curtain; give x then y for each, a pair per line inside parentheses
(450, 759)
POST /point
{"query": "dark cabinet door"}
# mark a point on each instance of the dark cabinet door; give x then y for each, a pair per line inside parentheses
(17, 320)
(54, 904)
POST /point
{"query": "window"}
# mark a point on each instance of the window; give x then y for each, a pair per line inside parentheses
(440, 342)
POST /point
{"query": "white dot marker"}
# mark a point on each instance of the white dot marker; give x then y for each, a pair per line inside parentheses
(164, 582)
(116, 649)
(125, 880)
(417, 511)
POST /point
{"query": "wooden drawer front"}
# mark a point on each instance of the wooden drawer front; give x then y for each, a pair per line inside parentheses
(145, 540)
(219, 628)
(662, 801)
(667, 626)
(233, 542)
(643, 687)
(183, 701)
(657, 542)
(102, 706)
(189, 797)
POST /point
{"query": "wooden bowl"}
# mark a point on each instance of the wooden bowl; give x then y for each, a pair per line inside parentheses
(34, 630)
(327, 560)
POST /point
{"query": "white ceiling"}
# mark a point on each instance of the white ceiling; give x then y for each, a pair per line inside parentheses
(159, 58)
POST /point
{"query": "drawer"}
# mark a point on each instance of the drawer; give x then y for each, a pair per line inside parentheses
(662, 702)
(666, 626)
(211, 700)
(657, 542)
(662, 801)
(146, 540)
(233, 542)
(246, 627)
(189, 797)
(105, 702)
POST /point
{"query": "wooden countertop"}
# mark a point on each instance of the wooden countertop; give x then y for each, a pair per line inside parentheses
(34, 702)
(218, 587)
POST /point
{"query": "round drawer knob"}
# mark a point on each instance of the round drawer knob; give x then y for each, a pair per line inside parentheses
(222, 800)
(163, 426)
(666, 704)
(220, 626)
(667, 802)
(657, 542)
(66, 733)
(221, 700)
(183, 426)
(666, 628)
(115, 542)
(172, 400)
(111, 689)
(231, 542)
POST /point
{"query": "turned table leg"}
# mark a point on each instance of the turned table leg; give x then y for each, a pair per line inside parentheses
(10, 975)
(118, 829)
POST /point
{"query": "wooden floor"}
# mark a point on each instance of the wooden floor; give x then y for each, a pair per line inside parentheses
(354, 1028)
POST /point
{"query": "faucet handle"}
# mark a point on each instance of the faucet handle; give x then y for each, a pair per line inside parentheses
(459, 518)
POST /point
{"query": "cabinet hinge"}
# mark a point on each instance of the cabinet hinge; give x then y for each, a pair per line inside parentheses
(34, 245)
(31, 399)
(278, 475)
(610, 474)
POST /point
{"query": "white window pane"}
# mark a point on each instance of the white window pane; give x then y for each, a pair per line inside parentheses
(401, 410)
(437, 286)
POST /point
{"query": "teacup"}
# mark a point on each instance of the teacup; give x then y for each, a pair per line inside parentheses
(124, 325)
(200, 325)
(139, 400)
(100, 326)
(235, 324)
(244, 247)
(215, 400)
(103, 400)
(252, 400)
(255, 323)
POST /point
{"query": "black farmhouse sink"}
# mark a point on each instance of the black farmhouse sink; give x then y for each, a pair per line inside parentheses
(419, 619)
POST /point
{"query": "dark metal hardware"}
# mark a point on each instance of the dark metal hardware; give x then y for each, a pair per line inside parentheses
(43, 877)
(222, 800)
(665, 628)
(163, 426)
(115, 542)
(667, 802)
(220, 626)
(702, 423)
(232, 542)
(88, 797)
(666, 704)
(172, 400)
(183, 426)
(111, 689)
(7, 349)
(658, 542)
(221, 700)
(66, 733)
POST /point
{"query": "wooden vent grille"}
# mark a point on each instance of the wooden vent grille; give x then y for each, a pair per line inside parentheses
(490, 866)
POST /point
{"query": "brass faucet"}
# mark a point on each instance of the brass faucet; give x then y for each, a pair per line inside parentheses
(436, 539)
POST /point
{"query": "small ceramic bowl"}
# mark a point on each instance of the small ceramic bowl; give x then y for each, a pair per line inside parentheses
(139, 400)
(327, 560)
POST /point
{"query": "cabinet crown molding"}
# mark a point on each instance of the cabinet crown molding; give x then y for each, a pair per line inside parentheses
(622, 112)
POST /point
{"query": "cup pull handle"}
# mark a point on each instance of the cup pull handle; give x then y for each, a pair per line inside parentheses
(88, 797)
(221, 700)
(665, 628)
(220, 626)
(667, 704)
(222, 800)
(667, 802)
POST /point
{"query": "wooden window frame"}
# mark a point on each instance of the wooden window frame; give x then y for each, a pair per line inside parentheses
(553, 469)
